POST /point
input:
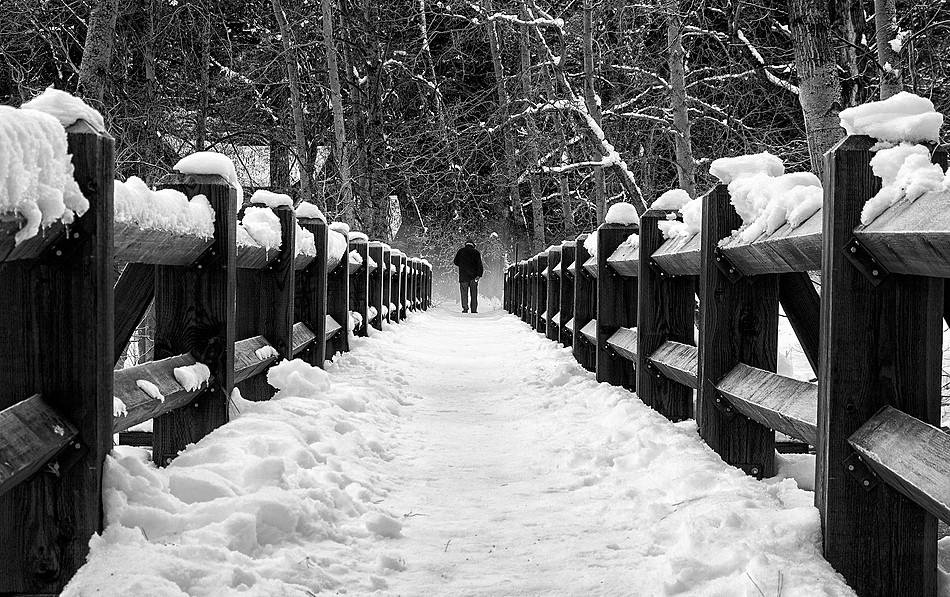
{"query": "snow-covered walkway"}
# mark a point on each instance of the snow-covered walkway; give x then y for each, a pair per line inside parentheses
(453, 455)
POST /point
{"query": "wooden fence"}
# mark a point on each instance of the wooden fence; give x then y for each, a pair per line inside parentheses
(65, 325)
(874, 335)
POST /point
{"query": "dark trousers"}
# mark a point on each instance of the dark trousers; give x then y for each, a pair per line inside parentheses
(469, 287)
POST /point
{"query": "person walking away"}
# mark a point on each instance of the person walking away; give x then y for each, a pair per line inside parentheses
(469, 262)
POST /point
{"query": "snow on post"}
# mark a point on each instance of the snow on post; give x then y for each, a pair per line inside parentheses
(901, 117)
(209, 162)
(66, 108)
(167, 210)
(622, 213)
(311, 211)
(263, 226)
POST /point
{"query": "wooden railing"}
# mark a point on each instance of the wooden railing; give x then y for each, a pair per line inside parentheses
(873, 335)
(236, 311)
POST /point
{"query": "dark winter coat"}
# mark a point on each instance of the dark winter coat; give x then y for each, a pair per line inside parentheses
(469, 262)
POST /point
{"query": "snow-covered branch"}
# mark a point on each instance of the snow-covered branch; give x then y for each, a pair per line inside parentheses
(765, 68)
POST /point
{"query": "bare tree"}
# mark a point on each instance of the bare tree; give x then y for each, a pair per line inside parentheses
(685, 165)
(97, 51)
(347, 209)
(885, 30)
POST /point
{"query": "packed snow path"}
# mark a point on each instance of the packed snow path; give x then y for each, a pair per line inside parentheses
(453, 455)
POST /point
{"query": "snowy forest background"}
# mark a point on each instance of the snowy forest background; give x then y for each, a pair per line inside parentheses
(482, 117)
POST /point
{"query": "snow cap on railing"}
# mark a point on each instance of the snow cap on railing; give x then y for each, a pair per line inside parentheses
(309, 210)
(66, 108)
(901, 117)
(263, 226)
(167, 210)
(672, 199)
(358, 236)
(209, 162)
(305, 242)
(271, 199)
(622, 213)
(341, 227)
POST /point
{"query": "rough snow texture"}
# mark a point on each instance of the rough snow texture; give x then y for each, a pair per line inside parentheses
(150, 389)
(901, 117)
(36, 172)
(297, 378)
(356, 321)
(118, 407)
(906, 173)
(336, 246)
(266, 352)
(371, 263)
(65, 108)
(356, 235)
(631, 242)
(243, 237)
(263, 225)
(590, 243)
(622, 213)
(209, 162)
(341, 227)
(305, 241)
(167, 210)
(692, 223)
(192, 377)
(356, 258)
(672, 199)
(728, 169)
(271, 199)
(309, 210)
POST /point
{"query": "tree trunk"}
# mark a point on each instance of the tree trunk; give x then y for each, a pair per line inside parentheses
(345, 207)
(531, 166)
(97, 51)
(305, 164)
(437, 106)
(204, 93)
(593, 107)
(685, 166)
(846, 28)
(819, 87)
(885, 29)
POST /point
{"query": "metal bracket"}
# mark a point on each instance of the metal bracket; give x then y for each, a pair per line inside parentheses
(609, 351)
(865, 262)
(752, 469)
(726, 267)
(69, 456)
(63, 247)
(861, 472)
(659, 270)
(724, 406)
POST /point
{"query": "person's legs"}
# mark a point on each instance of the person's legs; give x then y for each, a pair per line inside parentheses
(463, 290)
(473, 286)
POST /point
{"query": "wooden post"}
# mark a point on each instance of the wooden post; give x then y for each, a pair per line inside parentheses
(568, 251)
(532, 291)
(519, 289)
(265, 304)
(403, 286)
(551, 329)
(195, 312)
(56, 339)
(338, 305)
(359, 286)
(310, 298)
(394, 287)
(376, 283)
(413, 265)
(738, 323)
(428, 286)
(880, 345)
(541, 294)
(585, 306)
(667, 307)
(616, 307)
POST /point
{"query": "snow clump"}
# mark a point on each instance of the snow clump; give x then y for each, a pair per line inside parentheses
(356, 235)
(305, 241)
(192, 377)
(309, 210)
(341, 227)
(907, 173)
(672, 199)
(590, 243)
(266, 352)
(150, 389)
(356, 258)
(297, 378)
(118, 408)
(271, 199)
(263, 225)
(37, 174)
(65, 108)
(336, 247)
(901, 117)
(692, 224)
(622, 213)
(167, 209)
(209, 162)
(631, 242)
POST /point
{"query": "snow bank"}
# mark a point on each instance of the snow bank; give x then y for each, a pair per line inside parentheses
(906, 172)
(692, 212)
(309, 210)
(36, 173)
(263, 226)
(209, 162)
(167, 210)
(622, 213)
(65, 108)
(271, 199)
(336, 246)
(764, 196)
(901, 117)
(297, 378)
(672, 199)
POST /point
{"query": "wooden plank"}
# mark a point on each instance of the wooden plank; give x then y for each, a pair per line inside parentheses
(556, 320)
(30, 248)
(302, 337)
(253, 257)
(376, 284)
(666, 311)
(31, 434)
(310, 293)
(246, 362)
(680, 256)
(786, 250)
(624, 342)
(881, 346)
(781, 403)
(738, 323)
(585, 307)
(912, 237)
(616, 307)
(194, 313)
(569, 326)
(302, 262)
(589, 331)
(910, 455)
(134, 292)
(139, 405)
(678, 362)
(265, 302)
(591, 266)
(158, 247)
(332, 327)
(625, 260)
(802, 306)
(56, 339)
(566, 309)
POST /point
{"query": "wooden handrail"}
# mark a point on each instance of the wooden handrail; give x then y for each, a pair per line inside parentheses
(31, 434)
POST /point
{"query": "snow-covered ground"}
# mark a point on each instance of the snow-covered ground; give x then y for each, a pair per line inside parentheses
(453, 455)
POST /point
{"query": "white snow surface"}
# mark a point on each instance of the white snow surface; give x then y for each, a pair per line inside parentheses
(271, 199)
(263, 225)
(766, 203)
(622, 213)
(672, 199)
(265, 352)
(906, 172)
(901, 117)
(36, 172)
(150, 389)
(336, 246)
(243, 238)
(341, 227)
(590, 243)
(192, 377)
(692, 222)
(309, 210)
(305, 241)
(451, 455)
(167, 209)
(729, 169)
(210, 162)
(356, 235)
(371, 263)
(65, 108)
(631, 242)
(355, 258)
(118, 407)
